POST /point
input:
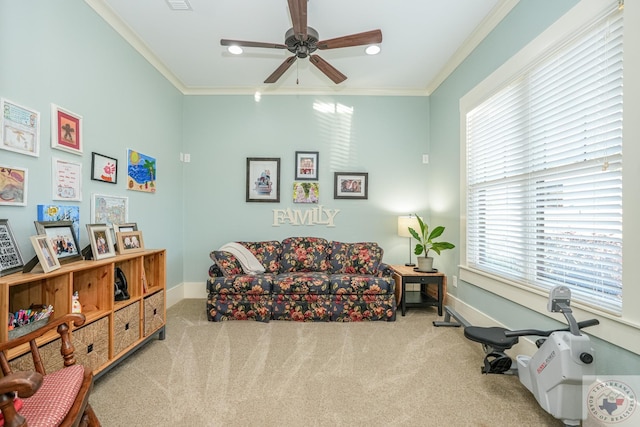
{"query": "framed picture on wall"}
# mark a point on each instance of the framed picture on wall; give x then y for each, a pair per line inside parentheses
(109, 209)
(66, 130)
(13, 186)
(263, 179)
(11, 259)
(66, 180)
(351, 185)
(104, 168)
(307, 165)
(20, 128)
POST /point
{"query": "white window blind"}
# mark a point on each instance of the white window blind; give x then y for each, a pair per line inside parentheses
(544, 171)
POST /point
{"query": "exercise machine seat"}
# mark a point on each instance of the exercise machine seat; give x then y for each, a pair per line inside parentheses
(491, 336)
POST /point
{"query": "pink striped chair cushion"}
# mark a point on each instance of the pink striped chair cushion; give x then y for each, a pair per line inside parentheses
(51, 403)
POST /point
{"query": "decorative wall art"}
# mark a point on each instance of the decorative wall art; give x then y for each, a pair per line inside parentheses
(62, 237)
(66, 130)
(10, 256)
(67, 180)
(109, 209)
(351, 185)
(104, 168)
(263, 179)
(307, 165)
(305, 192)
(141, 172)
(45, 252)
(13, 186)
(20, 128)
(61, 213)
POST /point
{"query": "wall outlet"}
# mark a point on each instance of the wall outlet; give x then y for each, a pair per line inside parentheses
(425, 159)
(454, 281)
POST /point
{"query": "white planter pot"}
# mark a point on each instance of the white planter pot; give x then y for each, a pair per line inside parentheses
(425, 264)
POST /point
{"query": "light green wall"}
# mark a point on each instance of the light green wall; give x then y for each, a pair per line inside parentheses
(62, 52)
(384, 136)
(528, 19)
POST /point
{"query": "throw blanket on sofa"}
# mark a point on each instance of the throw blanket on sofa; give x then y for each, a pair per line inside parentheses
(249, 262)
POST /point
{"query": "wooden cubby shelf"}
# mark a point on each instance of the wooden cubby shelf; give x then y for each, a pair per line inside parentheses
(113, 329)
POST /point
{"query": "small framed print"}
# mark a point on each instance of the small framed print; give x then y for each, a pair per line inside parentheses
(45, 252)
(11, 259)
(66, 130)
(64, 240)
(101, 241)
(129, 226)
(129, 241)
(351, 185)
(104, 168)
(67, 180)
(263, 179)
(307, 165)
(13, 186)
(19, 128)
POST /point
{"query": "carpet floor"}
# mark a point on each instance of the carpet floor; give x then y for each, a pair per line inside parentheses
(245, 373)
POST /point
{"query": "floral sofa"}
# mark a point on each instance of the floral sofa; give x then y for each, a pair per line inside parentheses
(305, 279)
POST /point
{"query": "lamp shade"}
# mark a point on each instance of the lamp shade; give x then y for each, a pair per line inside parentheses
(404, 222)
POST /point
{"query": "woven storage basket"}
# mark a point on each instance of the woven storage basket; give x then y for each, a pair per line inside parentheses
(153, 313)
(92, 344)
(50, 355)
(126, 329)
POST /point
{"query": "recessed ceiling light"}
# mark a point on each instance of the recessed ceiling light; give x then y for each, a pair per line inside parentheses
(236, 50)
(372, 50)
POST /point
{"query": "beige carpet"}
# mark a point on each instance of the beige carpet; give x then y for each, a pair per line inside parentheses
(245, 373)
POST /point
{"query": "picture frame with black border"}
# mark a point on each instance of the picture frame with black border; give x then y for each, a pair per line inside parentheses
(45, 252)
(11, 259)
(351, 185)
(104, 168)
(307, 163)
(129, 241)
(263, 179)
(63, 238)
(102, 245)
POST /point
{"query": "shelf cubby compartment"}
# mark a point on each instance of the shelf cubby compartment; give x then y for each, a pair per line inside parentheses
(132, 269)
(95, 290)
(154, 271)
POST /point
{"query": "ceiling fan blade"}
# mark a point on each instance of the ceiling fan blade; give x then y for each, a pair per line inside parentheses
(227, 42)
(298, 11)
(328, 69)
(281, 69)
(368, 37)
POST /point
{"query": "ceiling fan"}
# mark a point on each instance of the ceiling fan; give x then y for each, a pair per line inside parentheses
(302, 41)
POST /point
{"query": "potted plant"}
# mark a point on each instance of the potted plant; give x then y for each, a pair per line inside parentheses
(426, 243)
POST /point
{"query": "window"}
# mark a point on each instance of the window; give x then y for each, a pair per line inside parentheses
(544, 170)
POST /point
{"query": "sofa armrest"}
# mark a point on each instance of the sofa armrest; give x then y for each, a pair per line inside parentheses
(384, 270)
(214, 271)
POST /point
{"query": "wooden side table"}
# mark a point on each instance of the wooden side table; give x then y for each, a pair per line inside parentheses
(425, 296)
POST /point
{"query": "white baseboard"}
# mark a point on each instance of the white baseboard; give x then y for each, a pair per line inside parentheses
(478, 318)
(188, 290)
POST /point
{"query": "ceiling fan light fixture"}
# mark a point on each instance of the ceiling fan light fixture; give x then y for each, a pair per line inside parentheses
(374, 49)
(235, 50)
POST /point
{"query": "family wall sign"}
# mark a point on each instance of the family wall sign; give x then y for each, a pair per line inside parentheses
(313, 216)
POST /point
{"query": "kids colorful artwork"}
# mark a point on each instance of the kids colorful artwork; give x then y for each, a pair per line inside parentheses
(141, 172)
(61, 213)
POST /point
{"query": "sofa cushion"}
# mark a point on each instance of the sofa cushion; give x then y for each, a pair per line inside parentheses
(302, 308)
(301, 283)
(267, 252)
(227, 263)
(361, 284)
(305, 254)
(355, 258)
(241, 284)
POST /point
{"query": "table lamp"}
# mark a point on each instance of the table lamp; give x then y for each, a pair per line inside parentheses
(404, 222)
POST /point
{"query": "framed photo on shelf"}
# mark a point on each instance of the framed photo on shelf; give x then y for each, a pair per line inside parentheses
(129, 226)
(307, 165)
(351, 185)
(66, 130)
(45, 252)
(64, 240)
(11, 259)
(13, 186)
(104, 168)
(109, 209)
(129, 241)
(20, 128)
(101, 241)
(263, 179)
(67, 180)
